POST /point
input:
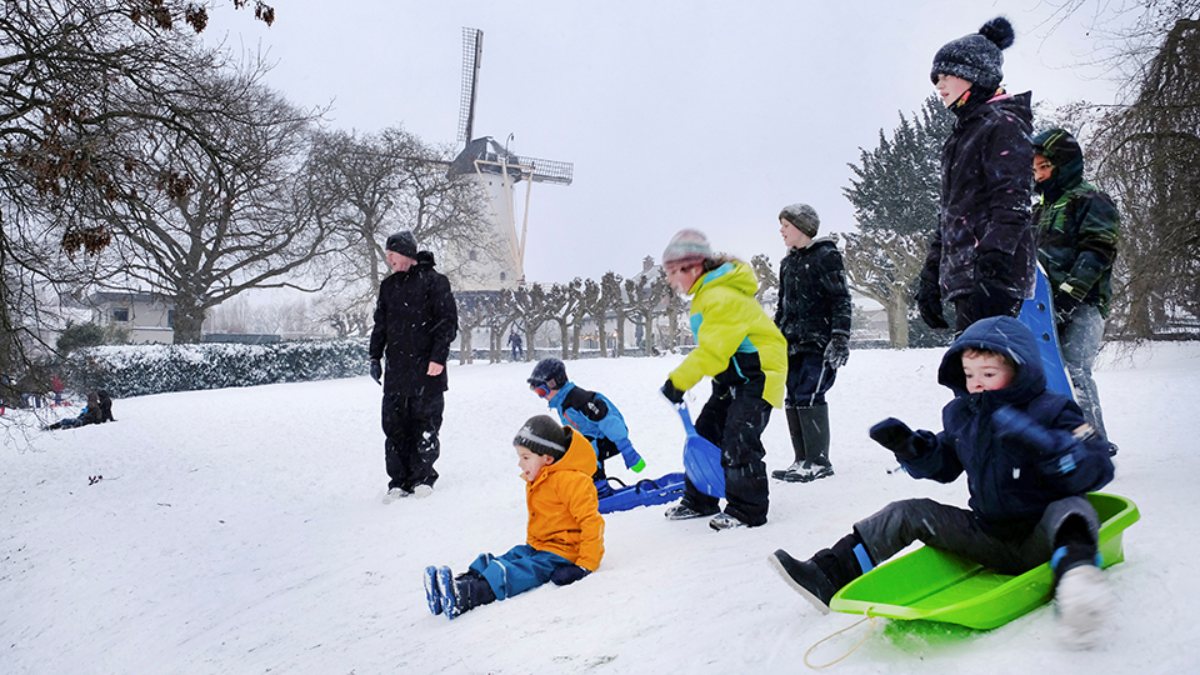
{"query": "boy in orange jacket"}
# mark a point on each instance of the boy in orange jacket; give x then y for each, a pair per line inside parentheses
(565, 534)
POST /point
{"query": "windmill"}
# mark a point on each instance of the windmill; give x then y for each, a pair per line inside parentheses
(497, 170)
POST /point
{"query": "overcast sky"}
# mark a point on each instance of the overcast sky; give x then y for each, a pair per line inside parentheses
(701, 114)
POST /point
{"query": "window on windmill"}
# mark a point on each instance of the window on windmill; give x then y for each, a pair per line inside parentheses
(473, 256)
(503, 276)
(120, 313)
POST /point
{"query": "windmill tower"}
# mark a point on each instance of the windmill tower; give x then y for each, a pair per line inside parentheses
(497, 171)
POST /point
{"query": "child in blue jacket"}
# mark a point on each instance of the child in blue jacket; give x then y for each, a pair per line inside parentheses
(589, 412)
(1029, 458)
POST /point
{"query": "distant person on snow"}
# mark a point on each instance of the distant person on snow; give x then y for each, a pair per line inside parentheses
(981, 255)
(742, 350)
(97, 411)
(813, 313)
(1029, 456)
(517, 345)
(565, 535)
(590, 413)
(416, 319)
(1078, 228)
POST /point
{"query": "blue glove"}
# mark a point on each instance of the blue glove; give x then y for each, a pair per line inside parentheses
(633, 461)
(568, 574)
(673, 394)
(376, 370)
(1013, 425)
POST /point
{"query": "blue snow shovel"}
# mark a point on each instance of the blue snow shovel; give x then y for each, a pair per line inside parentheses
(701, 459)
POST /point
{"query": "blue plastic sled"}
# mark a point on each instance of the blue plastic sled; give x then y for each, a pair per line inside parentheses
(646, 492)
(1037, 313)
(701, 459)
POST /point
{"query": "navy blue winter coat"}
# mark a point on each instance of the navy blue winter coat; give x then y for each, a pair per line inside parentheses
(987, 175)
(814, 301)
(416, 319)
(1010, 482)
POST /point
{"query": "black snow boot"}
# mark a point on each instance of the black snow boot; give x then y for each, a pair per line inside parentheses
(792, 473)
(820, 577)
(814, 425)
(464, 592)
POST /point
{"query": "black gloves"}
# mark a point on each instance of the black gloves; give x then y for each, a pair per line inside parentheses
(673, 394)
(1065, 305)
(991, 295)
(837, 352)
(376, 370)
(568, 574)
(904, 442)
(929, 302)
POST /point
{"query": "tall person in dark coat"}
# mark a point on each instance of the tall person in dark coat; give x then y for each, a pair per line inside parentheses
(981, 257)
(416, 319)
(813, 313)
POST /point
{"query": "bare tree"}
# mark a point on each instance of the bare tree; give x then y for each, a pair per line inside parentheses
(220, 228)
(882, 265)
(767, 278)
(563, 307)
(644, 299)
(614, 300)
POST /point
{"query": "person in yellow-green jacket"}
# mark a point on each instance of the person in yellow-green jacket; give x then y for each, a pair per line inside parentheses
(742, 350)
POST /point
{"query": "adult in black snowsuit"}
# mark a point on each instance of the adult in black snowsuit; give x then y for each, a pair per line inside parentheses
(981, 257)
(416, 319)
(813, 313)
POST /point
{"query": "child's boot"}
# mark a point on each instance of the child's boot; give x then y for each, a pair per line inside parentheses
(433, 595)
(464, 593)
(1081, 597)
(818, 578)
(791, 474)
(814, 423)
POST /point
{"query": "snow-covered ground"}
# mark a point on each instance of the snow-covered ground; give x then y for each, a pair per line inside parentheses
(241, 531)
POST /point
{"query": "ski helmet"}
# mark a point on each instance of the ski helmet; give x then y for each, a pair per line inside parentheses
(550, 372)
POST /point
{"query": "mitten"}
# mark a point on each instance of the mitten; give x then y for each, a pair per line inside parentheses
(929, 304)
(673, 393)
(633, 461)
(376, 370)
(568, 574)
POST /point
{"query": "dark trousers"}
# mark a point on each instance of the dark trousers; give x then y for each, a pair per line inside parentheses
(411, 424)
(808, 379)
(966, 312)
(958, 531)
(734, 421)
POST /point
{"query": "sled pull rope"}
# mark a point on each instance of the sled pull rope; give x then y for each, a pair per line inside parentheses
(866, 634)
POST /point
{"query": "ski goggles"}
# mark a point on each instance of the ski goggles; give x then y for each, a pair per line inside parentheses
(540, 389)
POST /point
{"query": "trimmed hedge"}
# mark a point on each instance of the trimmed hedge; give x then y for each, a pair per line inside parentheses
(138, 370)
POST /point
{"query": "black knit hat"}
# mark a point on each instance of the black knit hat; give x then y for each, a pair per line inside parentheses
(542, 435)
(976, 57)
(403, 243)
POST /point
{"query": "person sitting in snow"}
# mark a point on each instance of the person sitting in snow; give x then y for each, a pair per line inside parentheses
(92, 413)
(589, 412)
(1029, 458)
(564, 537)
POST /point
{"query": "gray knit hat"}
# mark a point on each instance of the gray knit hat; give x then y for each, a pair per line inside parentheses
(976, 57)
(542, 435)
(803, 217)
(687, 245)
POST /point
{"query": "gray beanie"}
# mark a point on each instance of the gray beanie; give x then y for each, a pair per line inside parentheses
(976, 57)
(543, 436)
(803, 217)
(403, 243)
(687, 245)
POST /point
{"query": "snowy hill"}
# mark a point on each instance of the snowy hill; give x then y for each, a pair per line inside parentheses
(241, 531)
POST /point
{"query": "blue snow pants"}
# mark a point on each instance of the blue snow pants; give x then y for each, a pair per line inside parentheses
(521, 569)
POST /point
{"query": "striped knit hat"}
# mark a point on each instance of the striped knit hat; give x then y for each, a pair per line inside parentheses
(687, 245)
(542, 435)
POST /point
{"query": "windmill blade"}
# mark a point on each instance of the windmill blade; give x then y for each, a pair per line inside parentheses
(548, 170)
(472, 54)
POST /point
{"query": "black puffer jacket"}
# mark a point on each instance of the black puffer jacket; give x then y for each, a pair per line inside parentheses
(813, 298)
(987, 173)
(416, 319)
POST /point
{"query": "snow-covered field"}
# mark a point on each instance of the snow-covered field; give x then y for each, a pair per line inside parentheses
(241, 531)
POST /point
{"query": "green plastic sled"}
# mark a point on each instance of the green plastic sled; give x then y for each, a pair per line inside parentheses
(933, 585)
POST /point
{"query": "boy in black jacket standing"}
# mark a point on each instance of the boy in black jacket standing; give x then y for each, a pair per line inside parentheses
(416, 319)
(981, 257)
(1029, 458)
(813, 313)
